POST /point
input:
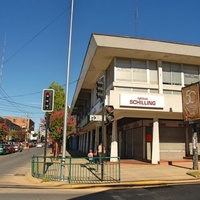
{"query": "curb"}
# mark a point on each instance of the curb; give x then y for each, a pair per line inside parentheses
(112, 185)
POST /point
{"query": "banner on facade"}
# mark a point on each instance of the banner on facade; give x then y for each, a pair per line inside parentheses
(190, 102)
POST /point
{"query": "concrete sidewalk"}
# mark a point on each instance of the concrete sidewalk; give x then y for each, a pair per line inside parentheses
(133, 173)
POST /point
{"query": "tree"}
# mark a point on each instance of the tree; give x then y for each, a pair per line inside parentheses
(57, 124)
(57, 118)
(56, 129)
(3, 131)
(59, 96)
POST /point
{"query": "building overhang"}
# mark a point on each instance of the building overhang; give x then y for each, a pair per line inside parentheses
(103, 48)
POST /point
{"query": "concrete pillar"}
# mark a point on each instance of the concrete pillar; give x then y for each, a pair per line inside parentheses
(105, 139)
(155, 142)
(114, 143)
(144, 143)
(81, 149)
(91, 140)
(96, 143)
(84, 141)
(87, 142)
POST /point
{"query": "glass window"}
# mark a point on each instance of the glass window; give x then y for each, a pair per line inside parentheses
(139, 71)
(176, 74)
(140, 90)
(153, 71)
(166, 73)
(191, 74)
(110, 74)
(123, 70)
(123, 89)
(171, 73)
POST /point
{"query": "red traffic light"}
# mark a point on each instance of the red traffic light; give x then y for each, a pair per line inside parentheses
(47, 94)
(48, 100)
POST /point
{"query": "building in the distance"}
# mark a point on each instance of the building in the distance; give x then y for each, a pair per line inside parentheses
(143, 81)
(26, 124)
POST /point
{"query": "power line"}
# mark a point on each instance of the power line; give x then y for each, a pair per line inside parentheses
(27, 43)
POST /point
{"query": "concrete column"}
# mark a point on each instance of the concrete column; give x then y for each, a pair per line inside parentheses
(144, 143)
(80, 143)
(105, 138)
(91, 140)
(87, 142)
(84, 141)
(187, 143)
(96, 143)
(160, 78)
(114, 142)
(155, 142)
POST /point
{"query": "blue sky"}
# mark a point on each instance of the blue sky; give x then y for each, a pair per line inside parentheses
(37, 34)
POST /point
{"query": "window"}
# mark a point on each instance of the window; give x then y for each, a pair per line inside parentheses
(139, 71)
(136, 71)
(171, 73)
(153, 72)
(191, 74)
(110, 74)
(123, 70)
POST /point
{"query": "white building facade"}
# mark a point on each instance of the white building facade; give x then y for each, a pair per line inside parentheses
(143, 81)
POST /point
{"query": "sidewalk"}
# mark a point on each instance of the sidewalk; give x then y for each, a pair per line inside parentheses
(133, 173)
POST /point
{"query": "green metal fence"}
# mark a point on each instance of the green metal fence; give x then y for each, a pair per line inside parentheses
(77, 170)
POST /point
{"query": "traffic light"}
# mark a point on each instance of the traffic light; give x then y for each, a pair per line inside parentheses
(48, 100)
(100, 88)
(109, 114)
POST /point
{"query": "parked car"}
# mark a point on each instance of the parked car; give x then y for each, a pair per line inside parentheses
(18, 147)
(10, 148)
(39, 145)
(4, 149)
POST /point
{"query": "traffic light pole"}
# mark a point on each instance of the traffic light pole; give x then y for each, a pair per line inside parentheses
(45, 141)
(100, 92)
(103, 124)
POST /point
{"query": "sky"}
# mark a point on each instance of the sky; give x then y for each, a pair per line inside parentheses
(34, 38)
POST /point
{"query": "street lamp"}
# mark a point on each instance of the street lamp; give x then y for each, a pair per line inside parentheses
(66, 99)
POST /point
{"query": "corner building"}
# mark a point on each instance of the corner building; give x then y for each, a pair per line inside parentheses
(143, 80)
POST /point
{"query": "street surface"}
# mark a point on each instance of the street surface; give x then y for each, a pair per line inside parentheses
(179, 192)
(18, 165)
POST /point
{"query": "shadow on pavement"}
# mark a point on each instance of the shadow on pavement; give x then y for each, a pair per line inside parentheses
(76, 153)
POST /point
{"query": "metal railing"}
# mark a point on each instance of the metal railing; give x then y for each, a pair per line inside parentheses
(77, 170)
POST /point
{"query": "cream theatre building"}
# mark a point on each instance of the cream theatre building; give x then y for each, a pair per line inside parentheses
(143, 81)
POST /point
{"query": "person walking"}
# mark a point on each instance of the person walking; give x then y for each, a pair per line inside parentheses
(101, 152)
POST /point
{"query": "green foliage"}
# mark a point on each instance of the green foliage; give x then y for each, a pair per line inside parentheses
(59, 96)
(57, 116)
(57, 124)
(3, 131)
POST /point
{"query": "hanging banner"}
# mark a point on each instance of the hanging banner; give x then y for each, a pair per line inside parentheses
(190, 102)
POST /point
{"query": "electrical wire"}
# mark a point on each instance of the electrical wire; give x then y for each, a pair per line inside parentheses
(27, 43)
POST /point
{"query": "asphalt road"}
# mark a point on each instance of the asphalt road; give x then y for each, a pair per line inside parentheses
(20, 163)
(175, 192)
(13, 163)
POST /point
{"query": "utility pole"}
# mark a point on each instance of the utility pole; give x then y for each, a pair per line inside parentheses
(62, 174)
(100, 93)
(47, 115)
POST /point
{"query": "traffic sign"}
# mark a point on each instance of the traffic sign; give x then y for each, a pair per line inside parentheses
(97, 118)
